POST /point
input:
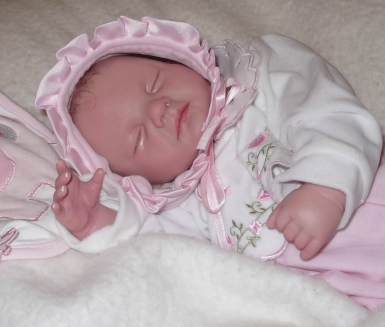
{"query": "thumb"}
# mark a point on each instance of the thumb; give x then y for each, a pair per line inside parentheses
(96, 182)
(270, 222)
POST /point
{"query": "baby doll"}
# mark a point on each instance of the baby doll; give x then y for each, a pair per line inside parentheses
(149, 116)
(208, 146)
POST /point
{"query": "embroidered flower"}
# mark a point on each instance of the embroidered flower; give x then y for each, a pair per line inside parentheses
(228, 240)
(263, 195)
(255, 227)
(257, 141)
(227, 190)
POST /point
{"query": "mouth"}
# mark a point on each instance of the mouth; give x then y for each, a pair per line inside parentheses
(181, 119)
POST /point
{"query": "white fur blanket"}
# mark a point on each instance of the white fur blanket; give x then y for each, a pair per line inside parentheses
(161, 280)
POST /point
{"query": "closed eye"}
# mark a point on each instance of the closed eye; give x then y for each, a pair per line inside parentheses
(139, 140)
(151, 88)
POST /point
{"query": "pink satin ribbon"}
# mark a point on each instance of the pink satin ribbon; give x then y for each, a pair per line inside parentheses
(5, 241)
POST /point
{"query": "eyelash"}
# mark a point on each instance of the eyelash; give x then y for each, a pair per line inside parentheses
(137, 141)
(151, 87)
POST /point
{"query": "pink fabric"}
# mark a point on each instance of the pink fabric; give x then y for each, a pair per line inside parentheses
(37, 251)
(354, 260)
(27, 119)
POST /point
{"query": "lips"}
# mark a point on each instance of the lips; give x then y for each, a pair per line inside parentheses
(181, 119)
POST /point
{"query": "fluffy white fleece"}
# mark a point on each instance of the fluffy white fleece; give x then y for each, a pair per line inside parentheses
(159, 280)
(164, 280)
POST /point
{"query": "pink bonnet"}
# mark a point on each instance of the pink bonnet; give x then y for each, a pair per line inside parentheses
(227, 67)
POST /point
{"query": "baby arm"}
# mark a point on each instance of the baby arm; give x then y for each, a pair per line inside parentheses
(76, 203)
(309, 217)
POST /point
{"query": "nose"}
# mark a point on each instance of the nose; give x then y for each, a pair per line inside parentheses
(157, 110)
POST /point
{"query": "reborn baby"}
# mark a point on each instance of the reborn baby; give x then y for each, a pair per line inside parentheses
(267, 152)
(296, 135)
(146, 117)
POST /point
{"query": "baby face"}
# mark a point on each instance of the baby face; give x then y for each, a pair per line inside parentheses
(144, 116)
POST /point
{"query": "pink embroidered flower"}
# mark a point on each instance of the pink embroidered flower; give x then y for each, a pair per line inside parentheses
(228, 240)
(259, 176)
(263, 195)
(227, 190)
(257, 141)
(255, 227)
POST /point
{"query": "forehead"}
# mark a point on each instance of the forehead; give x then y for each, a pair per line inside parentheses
(105, 75)
(124, 69)
(109, 73)
(127, 62)
(134, 69)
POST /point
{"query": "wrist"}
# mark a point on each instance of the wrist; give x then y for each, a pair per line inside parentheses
(335, 196)
(102, 217)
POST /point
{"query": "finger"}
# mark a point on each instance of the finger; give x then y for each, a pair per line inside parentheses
(311, 249)
(56, 208)
(61, 166)
(302, 240)
(95, 184)
(60, 193)
(63, 179)
(98, 176)
(60, 213)
(291, 231)
(270, 222)
(282, 220)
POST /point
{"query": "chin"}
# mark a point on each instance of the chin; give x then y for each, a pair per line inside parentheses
(159, 180)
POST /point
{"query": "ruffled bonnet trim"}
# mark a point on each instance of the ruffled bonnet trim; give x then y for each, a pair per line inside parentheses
(233, 87)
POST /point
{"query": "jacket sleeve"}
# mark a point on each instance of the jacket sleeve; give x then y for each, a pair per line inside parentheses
(313, 113)
(129, 220)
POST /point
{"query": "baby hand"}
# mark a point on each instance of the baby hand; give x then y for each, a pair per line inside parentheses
(309, 217)
(75, 203)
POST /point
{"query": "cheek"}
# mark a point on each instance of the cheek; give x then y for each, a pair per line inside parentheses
(166, 165)
(101, 135)
(180, 161)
